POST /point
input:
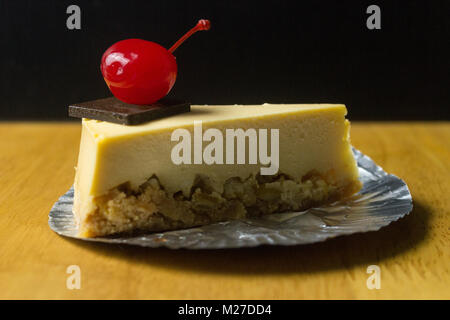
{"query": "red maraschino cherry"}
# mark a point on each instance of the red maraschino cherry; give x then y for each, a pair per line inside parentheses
(142, 72)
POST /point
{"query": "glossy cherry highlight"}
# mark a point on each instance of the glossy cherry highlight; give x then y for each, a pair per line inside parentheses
(142, 72)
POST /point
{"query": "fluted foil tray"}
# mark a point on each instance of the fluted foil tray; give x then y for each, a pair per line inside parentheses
(384, 198)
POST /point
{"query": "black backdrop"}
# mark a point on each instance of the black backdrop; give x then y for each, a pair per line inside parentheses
(256, 51)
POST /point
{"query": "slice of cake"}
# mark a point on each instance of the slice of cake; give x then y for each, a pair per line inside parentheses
(212, 164)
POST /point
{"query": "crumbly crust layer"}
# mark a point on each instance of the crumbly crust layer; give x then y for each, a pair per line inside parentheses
(151, 208)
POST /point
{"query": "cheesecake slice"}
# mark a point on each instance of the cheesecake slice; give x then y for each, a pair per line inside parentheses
(140, 178)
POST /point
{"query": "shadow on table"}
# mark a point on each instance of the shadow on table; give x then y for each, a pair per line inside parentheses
(339, 253)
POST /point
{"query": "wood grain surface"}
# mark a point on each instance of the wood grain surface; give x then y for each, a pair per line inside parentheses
(37, 166)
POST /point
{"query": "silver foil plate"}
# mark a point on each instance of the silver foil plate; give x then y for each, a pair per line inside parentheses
(384, 198)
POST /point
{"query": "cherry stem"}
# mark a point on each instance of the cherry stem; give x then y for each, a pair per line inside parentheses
(202, 24)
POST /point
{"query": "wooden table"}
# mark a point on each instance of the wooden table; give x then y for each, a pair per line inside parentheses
(36, 167)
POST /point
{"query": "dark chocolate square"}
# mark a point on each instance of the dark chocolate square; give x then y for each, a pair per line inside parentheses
(113, 110)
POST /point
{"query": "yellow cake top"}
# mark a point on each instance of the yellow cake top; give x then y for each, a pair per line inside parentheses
(208, 114)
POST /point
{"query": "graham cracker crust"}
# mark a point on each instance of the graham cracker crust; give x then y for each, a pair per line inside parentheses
(151, 208)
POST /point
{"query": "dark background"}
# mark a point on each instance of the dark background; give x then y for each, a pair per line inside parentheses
(256, 52)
